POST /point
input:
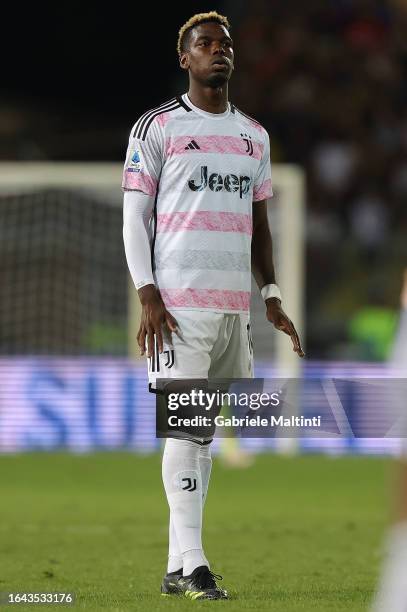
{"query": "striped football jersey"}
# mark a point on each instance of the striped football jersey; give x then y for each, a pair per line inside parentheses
(204, 171)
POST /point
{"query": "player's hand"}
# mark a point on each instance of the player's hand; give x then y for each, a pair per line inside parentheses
(153, 316)
(276, 315)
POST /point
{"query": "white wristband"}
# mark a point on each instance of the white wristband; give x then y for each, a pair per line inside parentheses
(270, 291)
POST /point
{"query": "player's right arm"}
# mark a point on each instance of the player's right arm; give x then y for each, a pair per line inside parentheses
(140, 180)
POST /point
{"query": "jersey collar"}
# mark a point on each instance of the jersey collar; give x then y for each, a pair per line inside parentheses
(216, 116)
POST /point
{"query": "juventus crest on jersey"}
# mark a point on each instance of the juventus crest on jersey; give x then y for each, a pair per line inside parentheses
(204, 170)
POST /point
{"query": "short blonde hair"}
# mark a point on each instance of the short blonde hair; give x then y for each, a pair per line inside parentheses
(197, 20)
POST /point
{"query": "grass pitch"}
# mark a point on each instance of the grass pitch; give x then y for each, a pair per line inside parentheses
(288, 534)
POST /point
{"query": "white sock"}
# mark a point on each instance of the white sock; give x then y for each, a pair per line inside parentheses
(205, 463)
(174, 553)
(392, 593)
(183, 486)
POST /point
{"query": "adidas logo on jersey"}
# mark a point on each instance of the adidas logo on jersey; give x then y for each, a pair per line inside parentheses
(192, 145)
(216, 182)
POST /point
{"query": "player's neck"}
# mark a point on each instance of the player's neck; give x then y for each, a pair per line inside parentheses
(211, 100)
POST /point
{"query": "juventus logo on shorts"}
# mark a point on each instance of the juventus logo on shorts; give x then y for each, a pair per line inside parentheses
(154, 360)
(170, 358)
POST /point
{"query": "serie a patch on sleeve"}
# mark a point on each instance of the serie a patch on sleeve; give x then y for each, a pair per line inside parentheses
(135, 162)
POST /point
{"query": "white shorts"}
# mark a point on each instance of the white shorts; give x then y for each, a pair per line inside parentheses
(210, 345)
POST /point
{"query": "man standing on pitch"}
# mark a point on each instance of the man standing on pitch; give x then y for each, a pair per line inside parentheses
(196, 181)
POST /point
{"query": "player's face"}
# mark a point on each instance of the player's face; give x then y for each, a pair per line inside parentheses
(209, 56)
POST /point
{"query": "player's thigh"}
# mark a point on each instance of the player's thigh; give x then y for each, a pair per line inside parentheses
(187, 354)
(183, 366)
(236, 361)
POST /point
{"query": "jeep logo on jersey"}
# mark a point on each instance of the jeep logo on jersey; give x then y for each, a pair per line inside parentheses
(217, 182)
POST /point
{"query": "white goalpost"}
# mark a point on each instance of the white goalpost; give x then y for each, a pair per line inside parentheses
(65, 283)
(286, 213)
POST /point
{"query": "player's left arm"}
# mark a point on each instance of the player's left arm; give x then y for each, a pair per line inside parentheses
(263, 272)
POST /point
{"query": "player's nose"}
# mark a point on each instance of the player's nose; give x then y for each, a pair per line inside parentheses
(217, 48)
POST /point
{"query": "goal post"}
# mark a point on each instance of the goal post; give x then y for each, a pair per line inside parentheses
(289, 183)
(62, 258)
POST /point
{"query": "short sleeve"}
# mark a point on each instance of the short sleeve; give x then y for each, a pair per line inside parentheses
(143, 163)
(262, 183)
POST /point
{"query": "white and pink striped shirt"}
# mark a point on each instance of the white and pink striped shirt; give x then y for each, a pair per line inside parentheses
(204, 170)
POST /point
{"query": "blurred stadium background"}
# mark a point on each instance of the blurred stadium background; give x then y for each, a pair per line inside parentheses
(327, 80)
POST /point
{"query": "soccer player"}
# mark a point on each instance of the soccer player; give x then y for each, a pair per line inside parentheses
(196, 181)
(392, 592)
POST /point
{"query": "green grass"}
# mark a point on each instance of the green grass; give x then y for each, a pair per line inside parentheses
(288, 534)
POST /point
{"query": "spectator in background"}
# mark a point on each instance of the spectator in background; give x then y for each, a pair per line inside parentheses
(328, 83)
(369, 223)
(373, 326)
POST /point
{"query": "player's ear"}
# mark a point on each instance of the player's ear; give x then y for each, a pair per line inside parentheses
(184, 60)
